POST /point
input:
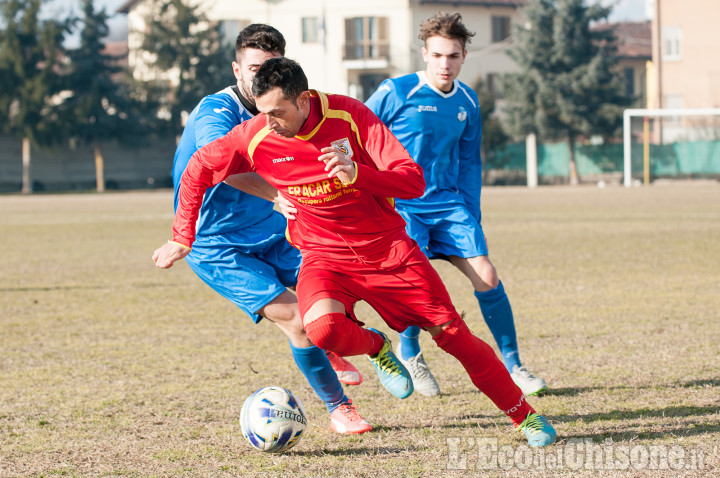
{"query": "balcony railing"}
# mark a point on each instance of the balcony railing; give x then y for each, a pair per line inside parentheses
(367, 51)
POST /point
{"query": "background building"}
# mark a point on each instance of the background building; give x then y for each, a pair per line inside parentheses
(687, 53)
(349, 47)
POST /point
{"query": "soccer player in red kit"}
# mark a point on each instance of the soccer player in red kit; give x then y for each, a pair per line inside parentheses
(340, 167)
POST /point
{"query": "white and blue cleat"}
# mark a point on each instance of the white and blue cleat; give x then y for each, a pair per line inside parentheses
(392, 373)
(537, 430)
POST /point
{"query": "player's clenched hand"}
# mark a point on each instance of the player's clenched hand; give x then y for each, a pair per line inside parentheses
(165, 256)
(340, 165)
(285, 206)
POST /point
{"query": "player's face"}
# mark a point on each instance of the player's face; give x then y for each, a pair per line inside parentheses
(251, 60)
(282, 115)
(444, 58)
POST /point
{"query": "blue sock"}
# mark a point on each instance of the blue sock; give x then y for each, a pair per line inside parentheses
(409, 343)
(314, 364)
(498, 316)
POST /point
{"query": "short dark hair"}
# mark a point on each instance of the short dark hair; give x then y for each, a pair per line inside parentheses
(261, 37)
(282, 73)
(446, 25)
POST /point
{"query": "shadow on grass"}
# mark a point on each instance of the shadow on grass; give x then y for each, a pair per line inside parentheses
(632, 434)
(370, 451)
(676, 411)
(49, 289)
(631, 431)
(574, 391)
(711, 382)
(138, 285)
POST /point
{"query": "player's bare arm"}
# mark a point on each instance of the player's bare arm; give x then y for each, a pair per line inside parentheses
(340, 165)
(164, 257)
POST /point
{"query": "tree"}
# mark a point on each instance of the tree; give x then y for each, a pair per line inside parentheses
(98, 107)
(494, 137)
(185, 45)
(569, 84)
(30, 56)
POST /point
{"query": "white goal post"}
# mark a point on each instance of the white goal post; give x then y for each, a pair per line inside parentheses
(652, 113)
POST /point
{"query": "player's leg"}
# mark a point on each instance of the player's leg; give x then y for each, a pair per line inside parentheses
(329, 323)
(317, 369)
(314, 364)
(254, 286)
(347, 373)
(408, 348)
(489, 375)
(498, 315)
(428, 304)
(456, 235)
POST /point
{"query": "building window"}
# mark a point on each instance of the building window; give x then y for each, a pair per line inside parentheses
(369, 83)
(310, 30)
(366, 38)
(229, 30)
(672, 43)
(500, 28)
(629, 77)
(494, 85)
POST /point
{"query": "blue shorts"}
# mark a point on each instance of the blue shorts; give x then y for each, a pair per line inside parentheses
(450, 232)
(250, 267)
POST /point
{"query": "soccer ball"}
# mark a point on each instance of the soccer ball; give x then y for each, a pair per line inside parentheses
(273, 419)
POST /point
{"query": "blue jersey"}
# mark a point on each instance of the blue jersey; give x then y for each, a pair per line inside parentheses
(442, 133)
(225, 209)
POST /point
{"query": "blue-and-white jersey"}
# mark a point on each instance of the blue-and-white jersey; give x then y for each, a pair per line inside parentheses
(442, 132)
(225, 209)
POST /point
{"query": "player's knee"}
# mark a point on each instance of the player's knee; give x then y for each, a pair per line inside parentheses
(488, 274)
(326, 331)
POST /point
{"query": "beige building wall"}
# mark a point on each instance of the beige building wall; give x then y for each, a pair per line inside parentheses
(690, 45)
(325, 62)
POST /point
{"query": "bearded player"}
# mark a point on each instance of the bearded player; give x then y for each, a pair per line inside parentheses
(240, 250)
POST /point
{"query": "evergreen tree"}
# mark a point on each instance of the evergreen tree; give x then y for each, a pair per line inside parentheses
(494, 137)
(569, 84)
(30, 56)
(188, 48)
(99, 107)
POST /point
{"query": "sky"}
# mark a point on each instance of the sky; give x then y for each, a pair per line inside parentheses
(629, 10)
(624, 10)
(117, 23)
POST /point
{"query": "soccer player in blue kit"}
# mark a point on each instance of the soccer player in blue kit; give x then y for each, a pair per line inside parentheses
(240, 249)
(437, 119)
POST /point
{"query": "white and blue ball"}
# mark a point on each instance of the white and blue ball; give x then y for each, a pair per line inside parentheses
(273, 419)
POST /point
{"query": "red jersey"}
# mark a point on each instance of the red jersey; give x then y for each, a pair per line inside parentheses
(356, 219)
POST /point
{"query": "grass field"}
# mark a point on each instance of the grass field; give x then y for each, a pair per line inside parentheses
(110, 367)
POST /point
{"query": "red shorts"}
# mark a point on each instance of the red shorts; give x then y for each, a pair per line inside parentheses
(401, 285)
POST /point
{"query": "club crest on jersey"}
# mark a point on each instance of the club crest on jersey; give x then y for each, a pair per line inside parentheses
(462, 113)
(344, 146)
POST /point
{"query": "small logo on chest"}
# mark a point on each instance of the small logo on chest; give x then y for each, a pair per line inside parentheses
(344, 146)
(422, 108)
(282, 160)
(462, 113)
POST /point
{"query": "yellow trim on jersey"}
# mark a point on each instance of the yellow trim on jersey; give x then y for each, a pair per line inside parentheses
(323, 109)
(356, 175)
(344, 115)
(259, 136)
(328, 113)
(287, 237)
(170, 241)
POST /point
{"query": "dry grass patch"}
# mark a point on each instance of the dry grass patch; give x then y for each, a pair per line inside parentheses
(110, 367)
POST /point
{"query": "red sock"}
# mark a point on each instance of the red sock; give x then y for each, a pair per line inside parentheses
(338, 333)
(486, 370)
